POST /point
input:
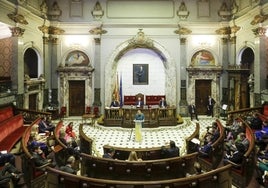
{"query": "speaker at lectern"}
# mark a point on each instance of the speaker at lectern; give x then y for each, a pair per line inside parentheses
(138, 126)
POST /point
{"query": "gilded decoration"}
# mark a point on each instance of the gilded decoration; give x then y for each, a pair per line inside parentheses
(17, 31)
(259, 31)
(224, 31)
(258, 19)
(141, 40)
(97, 31)
(182, 31)
(17, 18)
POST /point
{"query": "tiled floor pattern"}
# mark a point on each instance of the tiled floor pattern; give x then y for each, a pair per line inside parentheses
(151, 137)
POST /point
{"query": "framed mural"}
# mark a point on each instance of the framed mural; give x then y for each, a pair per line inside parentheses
(203, 58)
(140, 74)
(77, 58)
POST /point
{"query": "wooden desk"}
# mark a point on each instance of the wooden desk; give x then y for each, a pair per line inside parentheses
(90, 117)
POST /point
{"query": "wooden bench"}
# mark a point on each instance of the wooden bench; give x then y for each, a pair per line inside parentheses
(11, 131)
(35, 176)
(214, 157)
(242, 173)
(219, 178)
(190, 146)
(169, 168)
(6, 113)
(143, 153)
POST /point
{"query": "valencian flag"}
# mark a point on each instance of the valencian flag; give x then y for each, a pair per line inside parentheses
(121, 91)
(116, 90)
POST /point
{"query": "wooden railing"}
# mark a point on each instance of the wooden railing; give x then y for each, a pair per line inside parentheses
(219, 178)
(215, 155)
(31, 115)
(161, 169)
(242, 173)
(190, 146)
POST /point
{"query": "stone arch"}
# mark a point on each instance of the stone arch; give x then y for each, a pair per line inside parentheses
(141, 41)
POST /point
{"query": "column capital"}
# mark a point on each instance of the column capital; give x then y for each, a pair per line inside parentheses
(259, 31)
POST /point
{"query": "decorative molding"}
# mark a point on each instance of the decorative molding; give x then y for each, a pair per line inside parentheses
(204, 71)
(97, 41)
(55, 12)
(182, 31)
(97, 12)
(259, 19)
(183, 13)
(223, 31)
(259, 31)
(141, 40)
(17, 31)
(97, 31)
(224, 12)
(17, 18)
(183, 41)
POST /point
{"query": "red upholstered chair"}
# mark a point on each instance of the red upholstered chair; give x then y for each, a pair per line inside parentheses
(96, 111)
(88, 110)
(265, 110)
(63, 112)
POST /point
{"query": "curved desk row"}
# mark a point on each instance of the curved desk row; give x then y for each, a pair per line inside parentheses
(154, 116)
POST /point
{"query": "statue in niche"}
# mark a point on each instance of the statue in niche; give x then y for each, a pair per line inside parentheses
(251, 82)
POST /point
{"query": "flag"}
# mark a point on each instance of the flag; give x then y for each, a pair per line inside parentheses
(116, 90)
(121, 91)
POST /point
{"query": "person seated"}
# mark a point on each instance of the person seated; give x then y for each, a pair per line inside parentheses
(241, 139)
(69, 131)
(233, 130)
(197, 168)
(114, 103)
(35, 140)
(6, 157)
(40, 159)
(69, 167)
(162, 103)
(133, 156)
(139, 103)
(170, 151)
(237, 156)
(255, 122)
(263, 133)
(263, 154)
(206, 148)
(10, 173)
(45, 127)
(109, 153)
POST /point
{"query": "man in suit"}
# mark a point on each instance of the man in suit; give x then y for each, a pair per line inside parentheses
(69, 167)
(210, 106)
(162, 103)
(139, 103)
(114, 103)
(192, 111)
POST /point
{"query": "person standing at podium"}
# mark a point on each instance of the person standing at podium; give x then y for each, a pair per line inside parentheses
(140, 116)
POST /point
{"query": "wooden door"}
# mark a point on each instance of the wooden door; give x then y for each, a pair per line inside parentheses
(202, 91)
(76, 97)
(32, 101)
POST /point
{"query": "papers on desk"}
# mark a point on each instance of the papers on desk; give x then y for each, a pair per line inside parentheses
(195, 141)
(3, 151)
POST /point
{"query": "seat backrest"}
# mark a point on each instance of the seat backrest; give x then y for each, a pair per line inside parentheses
(141, 96)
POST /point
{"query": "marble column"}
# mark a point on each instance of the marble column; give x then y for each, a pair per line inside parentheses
(97, 73)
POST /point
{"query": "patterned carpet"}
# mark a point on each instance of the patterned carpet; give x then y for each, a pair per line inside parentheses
(151, 137)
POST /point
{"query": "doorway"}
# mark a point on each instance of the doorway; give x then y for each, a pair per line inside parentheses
(76, 97)
(202, 91)
(32, 101)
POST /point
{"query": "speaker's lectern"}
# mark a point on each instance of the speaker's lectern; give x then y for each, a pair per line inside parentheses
(138, 126)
